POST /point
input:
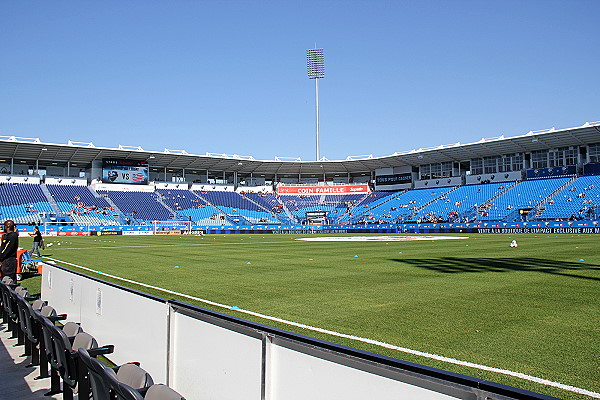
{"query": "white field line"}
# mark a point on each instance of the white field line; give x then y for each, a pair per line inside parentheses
(357, 338)
(101, 247)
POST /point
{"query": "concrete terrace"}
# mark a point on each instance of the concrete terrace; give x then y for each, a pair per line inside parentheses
(17, 381)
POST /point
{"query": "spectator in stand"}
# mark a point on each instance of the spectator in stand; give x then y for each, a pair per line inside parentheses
(8, 250)
(37, 241)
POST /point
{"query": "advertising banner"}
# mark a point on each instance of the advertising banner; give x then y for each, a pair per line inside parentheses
(393, 179)
(109, 233)
(319, 190)
(73, 233)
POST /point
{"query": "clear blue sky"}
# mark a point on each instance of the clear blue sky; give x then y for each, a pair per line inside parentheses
(230, 76)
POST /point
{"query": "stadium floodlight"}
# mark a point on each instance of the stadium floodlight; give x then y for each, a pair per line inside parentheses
(315, 64)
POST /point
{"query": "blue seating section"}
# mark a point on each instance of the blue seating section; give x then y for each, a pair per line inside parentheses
(239, 207)
(549, 199)
(142, 206)
(399, 207)
(191, 207)
(454, 205)
(364, 203)
(82, 206)
(579, 199)
(23, 202)
(527, 194)
(267, 200)
(300, 205)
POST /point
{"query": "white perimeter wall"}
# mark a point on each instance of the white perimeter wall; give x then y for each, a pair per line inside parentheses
(135, 324)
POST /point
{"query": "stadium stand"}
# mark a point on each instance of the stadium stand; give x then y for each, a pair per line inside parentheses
(23, 203)
(526, 195)
(141, 206)
(455, 205)
(191, 207)
(82, 206)
(579, 200)
(238, 207)
(542, 199)
(399, 207)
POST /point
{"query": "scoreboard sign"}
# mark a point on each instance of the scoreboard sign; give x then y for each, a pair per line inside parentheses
(124, 171)
(319, 190)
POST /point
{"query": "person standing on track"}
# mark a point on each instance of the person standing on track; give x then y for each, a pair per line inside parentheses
(8, 250)
(37, 241)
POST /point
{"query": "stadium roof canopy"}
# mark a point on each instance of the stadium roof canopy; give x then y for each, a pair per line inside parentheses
(84, 153)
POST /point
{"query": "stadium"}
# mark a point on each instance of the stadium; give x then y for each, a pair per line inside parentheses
(425, 240)
(537, 180)
(256, 243)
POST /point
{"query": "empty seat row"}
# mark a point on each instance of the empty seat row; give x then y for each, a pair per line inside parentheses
(65, 352)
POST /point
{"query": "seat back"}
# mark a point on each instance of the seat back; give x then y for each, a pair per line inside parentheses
(5, 296)
(48, 311)
(121, 390)
(26, 319)
(19, 302)
(71, 329)
(47, 327)
(11, 303)
(25, 257)
(84, 340)
(96, 372)
(38, 304)
(65, 359)
(162, 392)
(134, 376)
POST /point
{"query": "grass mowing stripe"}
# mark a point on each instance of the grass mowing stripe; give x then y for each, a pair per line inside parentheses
(437, 357)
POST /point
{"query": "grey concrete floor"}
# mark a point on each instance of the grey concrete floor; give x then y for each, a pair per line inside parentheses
(17, 381)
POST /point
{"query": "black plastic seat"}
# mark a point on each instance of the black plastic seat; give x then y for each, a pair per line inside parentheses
(5, 285)
(92, 376)
(105, 381)
(65, 360)
(46, 314)
(27, 325)
(120, 390)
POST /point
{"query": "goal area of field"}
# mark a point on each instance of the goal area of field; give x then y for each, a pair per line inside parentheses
(171, 227)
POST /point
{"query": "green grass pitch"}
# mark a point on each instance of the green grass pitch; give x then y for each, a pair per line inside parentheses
(534, 309)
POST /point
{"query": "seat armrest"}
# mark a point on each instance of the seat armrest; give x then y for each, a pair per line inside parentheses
(59, 317)
(96, 351)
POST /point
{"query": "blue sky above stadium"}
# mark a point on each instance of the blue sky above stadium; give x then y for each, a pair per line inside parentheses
(230, 76)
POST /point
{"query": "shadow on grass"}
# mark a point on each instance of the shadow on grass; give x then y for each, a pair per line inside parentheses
(450, 265)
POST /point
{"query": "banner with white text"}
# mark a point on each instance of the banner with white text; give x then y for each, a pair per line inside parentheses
(319, 190)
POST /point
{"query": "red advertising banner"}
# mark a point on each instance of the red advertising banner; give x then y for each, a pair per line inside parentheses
(318, 190)
(73, 233)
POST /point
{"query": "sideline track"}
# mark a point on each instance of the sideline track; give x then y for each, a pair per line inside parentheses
(437, 357)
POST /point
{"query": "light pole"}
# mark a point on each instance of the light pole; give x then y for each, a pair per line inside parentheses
(316, 69)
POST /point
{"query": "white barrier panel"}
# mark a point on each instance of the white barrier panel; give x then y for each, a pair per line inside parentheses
(296, 375)
(134, 323)
(208, 361)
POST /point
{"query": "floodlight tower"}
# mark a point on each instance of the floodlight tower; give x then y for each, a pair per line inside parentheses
(316, 70)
